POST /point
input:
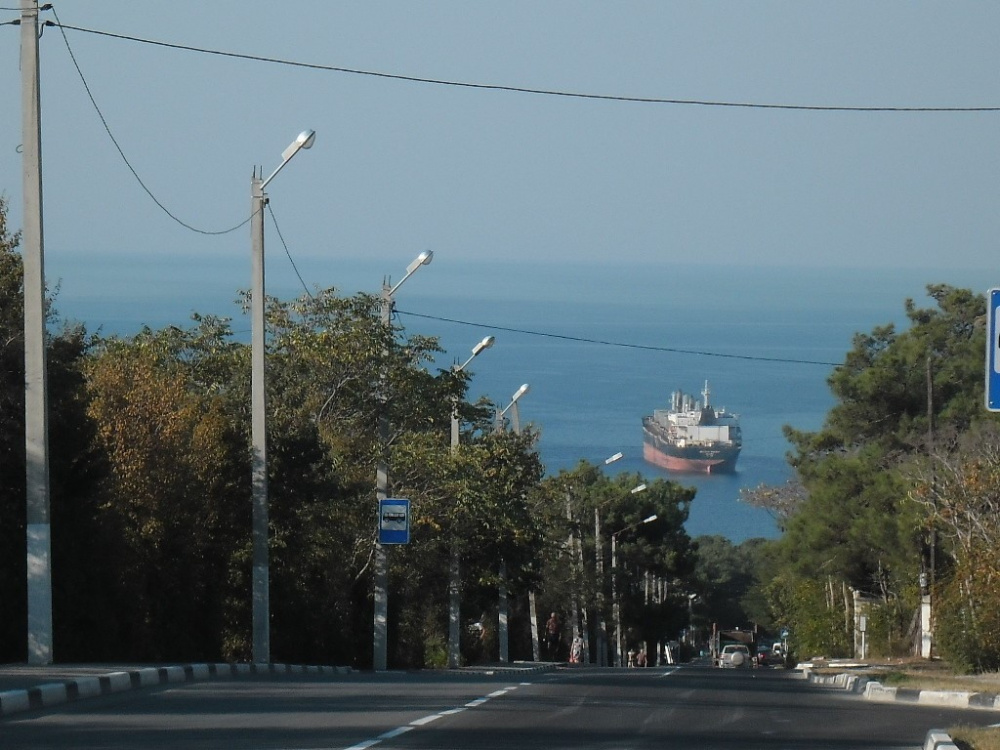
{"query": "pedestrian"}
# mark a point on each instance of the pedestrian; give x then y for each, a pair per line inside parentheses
(552, 632)
(576, 651)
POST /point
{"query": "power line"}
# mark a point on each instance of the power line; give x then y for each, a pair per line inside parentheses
(642, 347)
(121, 152)
(522, 89)
(287, 251)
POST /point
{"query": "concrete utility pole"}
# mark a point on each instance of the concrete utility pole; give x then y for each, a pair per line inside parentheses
(261, 583)
(455, 566)
(380, 629)
(380, 633)
(503, 621)
(258, 428)
(36, 392)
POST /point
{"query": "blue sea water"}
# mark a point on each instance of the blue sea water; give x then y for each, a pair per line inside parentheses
(601, 346)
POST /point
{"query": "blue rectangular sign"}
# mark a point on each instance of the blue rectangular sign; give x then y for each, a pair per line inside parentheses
(993, 351)
(394, 521)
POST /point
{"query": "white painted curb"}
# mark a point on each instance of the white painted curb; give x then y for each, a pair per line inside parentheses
(55, 693)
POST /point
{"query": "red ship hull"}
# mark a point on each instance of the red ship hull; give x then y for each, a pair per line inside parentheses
(715, 465)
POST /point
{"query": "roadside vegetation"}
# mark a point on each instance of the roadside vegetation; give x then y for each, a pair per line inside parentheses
(151, 512)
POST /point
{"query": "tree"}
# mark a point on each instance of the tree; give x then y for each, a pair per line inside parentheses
(959, 490)
(858, 527)
(73, 470)
(173, 502)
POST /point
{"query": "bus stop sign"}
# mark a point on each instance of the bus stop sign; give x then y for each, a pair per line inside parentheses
(394, 521)
(993, 351)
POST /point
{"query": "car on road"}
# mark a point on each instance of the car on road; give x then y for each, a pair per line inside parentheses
(734, 656)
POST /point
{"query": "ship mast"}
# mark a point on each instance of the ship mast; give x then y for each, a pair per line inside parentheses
(705, 393)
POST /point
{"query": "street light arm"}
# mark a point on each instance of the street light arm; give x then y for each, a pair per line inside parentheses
(486, 343)
(305, 139)
(636, 525)
(421, 260)
(520, 392)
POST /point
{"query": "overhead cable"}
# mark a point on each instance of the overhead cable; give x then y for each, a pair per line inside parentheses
(524, 89)
(643, 347)
(121, 152)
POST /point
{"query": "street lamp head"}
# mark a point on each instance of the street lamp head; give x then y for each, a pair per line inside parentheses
(637, 489)
(611, 459)
(305, 139)
(486, 343)
(649, 519)
(423, 259)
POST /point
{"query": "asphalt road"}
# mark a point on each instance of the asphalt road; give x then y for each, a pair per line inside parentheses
(689, 707)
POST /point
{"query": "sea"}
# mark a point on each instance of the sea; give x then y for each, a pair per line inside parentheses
(599, 345)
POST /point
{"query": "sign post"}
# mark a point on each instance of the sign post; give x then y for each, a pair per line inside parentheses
(993, 350)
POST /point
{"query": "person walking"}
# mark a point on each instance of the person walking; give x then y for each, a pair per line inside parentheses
(552, 633)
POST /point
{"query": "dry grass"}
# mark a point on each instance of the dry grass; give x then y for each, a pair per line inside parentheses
(974, 738)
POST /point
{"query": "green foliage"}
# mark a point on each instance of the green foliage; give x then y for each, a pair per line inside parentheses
(858, 525)
(727, 585)
(813, 613)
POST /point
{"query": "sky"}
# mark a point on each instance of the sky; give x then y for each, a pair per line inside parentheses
(528, 184)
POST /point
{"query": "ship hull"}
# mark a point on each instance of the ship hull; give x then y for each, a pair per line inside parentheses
(692, 459)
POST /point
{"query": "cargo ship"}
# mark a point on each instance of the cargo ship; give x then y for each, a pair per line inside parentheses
(692, 436)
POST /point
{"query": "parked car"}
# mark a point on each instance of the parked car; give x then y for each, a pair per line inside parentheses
(734, 656)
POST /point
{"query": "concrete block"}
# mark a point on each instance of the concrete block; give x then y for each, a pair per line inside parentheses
(174, 674)
(12, 701)
(148, 676)
(953, 698)
(52, 693)
(116, 682)
(938, 739)
(876, 691)
(88, 687)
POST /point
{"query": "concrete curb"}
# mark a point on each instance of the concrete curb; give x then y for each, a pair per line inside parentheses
(55, 693)
(517, 667)
(876, 691)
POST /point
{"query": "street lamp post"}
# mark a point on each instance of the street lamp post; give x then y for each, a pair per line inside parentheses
(455, 569)
(576, 554)
(602, 627)
(258, 405)
(380, 644)
(614, 585)
(691, 638)
(503, 632)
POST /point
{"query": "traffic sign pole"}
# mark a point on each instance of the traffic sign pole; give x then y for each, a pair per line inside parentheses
(993, 351)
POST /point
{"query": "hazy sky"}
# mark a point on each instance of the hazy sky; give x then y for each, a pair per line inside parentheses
(399, 166)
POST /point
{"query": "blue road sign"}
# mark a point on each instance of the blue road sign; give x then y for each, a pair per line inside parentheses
(394, 521)
(993, 351)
